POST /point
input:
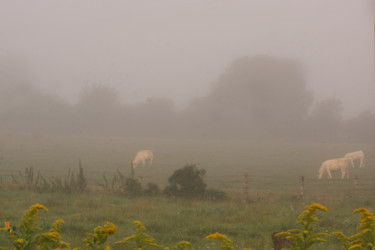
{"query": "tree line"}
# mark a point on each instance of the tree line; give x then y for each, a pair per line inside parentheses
(259, 97)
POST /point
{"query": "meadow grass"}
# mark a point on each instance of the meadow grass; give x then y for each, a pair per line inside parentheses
(273, 168)
(172, 220)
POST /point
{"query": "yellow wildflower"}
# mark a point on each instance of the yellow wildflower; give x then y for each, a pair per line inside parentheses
(59, 222)
(216, 236)
(360, 210)
(54, 234)
(38, 206)
(110, 227)
(138, 223)
(318, 206)
(20, 241)
(355, 246)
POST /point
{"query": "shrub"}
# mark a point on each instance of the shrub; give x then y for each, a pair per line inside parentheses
(186, 182)
(152, 189)
(215, 194)
(133, 187)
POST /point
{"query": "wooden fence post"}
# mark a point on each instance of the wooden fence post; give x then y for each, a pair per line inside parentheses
(302, 185)
(245, 188)
(356, 185)
(131, 170)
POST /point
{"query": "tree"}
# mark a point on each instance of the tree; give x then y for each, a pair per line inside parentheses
(361, 127)
(325, 121)
(98, 110)
(261, 95)
(155, 117)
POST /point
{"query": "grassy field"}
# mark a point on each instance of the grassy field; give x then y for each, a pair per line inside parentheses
(274, 188)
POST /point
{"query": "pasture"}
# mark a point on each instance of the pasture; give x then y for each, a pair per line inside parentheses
(273, 172)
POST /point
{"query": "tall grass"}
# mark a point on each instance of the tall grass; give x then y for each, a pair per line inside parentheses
(273, 170)
(170, 221)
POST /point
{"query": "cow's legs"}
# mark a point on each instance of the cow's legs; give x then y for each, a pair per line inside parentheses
(344, 173)
(329, 174)
(362, 163)
(352, 162)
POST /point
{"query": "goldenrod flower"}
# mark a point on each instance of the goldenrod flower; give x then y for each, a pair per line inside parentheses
(137, 223)
(110, 227)
(20, 241)
(216, 236)
(59, 222)
(38, 207)
(355, 246)
(318, 206)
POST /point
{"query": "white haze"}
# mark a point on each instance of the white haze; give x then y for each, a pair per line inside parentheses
(178, 48)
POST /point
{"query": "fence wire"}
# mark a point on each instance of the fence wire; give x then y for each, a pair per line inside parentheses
(256, 184)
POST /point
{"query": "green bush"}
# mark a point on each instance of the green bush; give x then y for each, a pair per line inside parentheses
(215, 194)
(152, 190)
(186, 182)
(133, 187)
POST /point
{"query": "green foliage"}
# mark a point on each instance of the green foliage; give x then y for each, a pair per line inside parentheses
(99, 236)
(365, 238)
(29, 235)
(127, 185)
(304, 238)
(140, 240)
(116, 184)
(71, 183)
(152, 190)
(225, 243)
(215, 194)
(133, 187)
(182, 245)
(186, 182)
(52, 239)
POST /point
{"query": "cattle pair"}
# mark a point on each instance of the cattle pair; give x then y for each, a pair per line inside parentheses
(342, 164)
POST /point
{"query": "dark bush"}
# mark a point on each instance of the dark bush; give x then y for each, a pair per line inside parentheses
(215, 194)
(186, 182)
(133, 187)
(152, 189)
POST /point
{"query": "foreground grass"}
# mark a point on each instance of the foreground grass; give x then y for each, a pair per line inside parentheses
(170, 221)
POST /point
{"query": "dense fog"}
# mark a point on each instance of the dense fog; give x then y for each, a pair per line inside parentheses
(261, 97)
(301, 71)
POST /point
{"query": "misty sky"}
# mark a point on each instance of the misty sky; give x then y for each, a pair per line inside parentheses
(178, 48)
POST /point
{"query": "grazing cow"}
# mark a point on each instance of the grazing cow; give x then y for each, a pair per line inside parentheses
(142, 157)
(358, 155)
(340, 164)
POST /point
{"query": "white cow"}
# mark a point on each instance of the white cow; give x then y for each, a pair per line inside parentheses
(340, 164)
(358, 155)
(142, 157)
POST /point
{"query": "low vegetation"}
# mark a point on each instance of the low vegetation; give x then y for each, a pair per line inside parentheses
(274, 199)
(187, 182)
(38, 183)
(29, 235)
